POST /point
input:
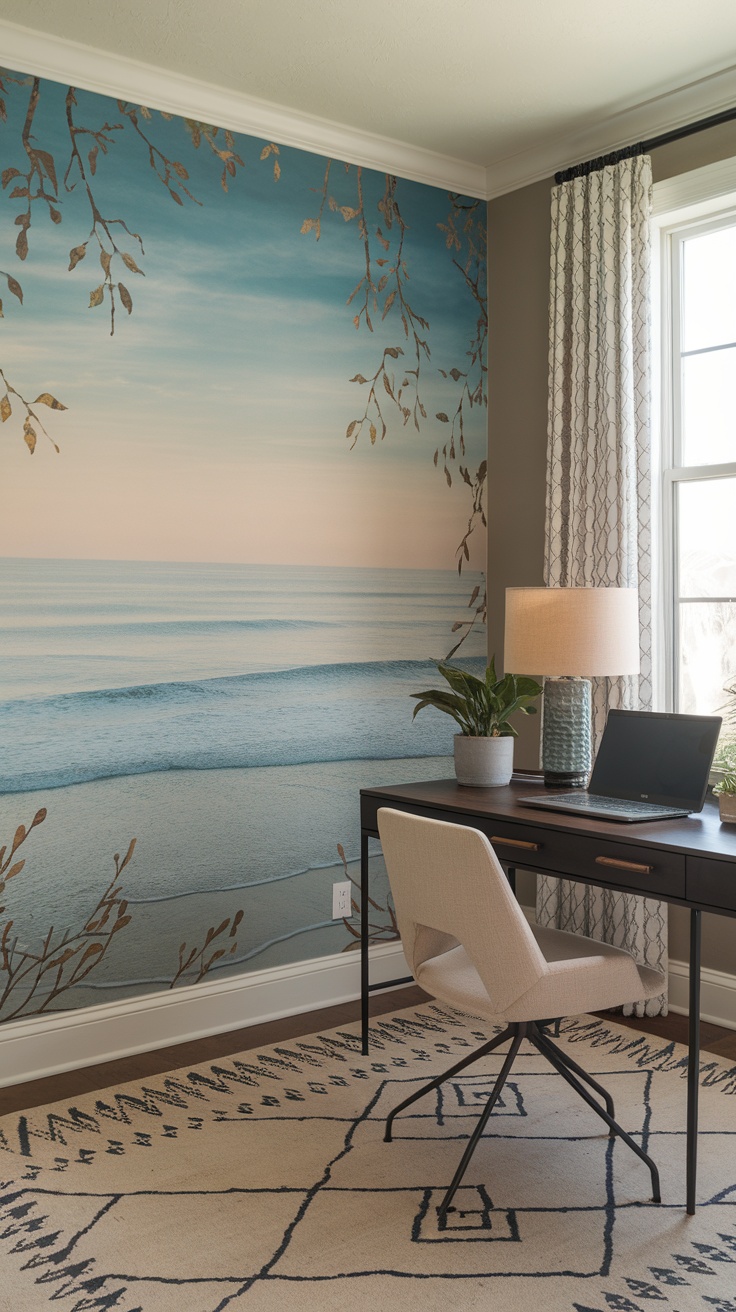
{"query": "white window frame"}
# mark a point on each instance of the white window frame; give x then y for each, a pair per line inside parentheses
(702, 199)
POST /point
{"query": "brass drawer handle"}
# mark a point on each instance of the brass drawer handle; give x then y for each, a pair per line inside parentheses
(516, 842)
(640, 869)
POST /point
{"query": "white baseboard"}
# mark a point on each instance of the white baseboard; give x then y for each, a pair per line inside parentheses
(717, 994)
(46, 1045)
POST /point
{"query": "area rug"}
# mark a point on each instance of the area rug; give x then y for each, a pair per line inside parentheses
(262, 1182)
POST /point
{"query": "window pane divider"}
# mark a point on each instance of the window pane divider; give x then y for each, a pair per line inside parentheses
(693, 473)
(706, 350)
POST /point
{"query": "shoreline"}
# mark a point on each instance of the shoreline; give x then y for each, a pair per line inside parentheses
(209, 843)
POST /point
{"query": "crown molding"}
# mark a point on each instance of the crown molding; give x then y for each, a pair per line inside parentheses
(649, 118)
(44, 55)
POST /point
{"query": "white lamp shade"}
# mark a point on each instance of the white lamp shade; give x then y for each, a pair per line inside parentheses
(572, 631)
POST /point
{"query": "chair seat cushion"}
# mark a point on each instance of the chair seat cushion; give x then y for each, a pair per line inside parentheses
(582, 975)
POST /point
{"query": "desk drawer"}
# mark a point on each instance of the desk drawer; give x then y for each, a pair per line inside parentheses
(712, 882)
(644, 870)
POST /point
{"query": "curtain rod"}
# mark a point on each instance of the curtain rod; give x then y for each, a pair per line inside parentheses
(644, 147)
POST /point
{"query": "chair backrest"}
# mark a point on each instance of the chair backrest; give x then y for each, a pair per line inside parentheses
(449, 888)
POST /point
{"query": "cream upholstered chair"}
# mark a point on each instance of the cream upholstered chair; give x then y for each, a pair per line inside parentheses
(468, 943)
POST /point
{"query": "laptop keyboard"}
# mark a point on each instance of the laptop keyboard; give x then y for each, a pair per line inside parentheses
(611, 805)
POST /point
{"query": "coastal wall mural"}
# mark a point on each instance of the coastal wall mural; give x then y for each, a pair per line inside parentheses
(242, 405)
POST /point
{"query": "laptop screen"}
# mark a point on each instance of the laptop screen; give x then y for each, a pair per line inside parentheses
(648, 756)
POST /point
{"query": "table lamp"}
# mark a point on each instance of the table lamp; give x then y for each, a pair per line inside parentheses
(566, 634)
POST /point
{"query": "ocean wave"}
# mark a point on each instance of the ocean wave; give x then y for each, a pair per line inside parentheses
(299, 716)
(234, 685)
(179, 626)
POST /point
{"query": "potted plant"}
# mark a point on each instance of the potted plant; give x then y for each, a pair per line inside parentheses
(725, 789)
(484, 748)
(725, 762)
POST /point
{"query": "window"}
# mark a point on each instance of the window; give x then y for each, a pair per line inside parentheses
(697, 567)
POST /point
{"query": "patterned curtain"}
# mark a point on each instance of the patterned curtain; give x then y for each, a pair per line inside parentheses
(598, 476)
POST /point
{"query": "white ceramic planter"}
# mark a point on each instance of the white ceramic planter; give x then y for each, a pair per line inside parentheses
(727, 808)
(483, 762)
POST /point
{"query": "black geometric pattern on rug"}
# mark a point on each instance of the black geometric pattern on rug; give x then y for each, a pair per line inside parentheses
(181, 1105)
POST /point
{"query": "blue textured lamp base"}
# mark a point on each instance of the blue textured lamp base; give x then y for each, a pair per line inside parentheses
(566, 747)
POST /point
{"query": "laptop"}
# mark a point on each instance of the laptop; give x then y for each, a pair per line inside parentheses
(650, 766)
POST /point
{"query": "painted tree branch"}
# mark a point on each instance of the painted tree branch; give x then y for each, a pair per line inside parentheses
(29, 432)
(101, 230)
(465, 233)
(379, 293)
(198, 958)
(32, 980)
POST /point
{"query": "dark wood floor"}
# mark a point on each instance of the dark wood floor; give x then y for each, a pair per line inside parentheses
(72, 1084)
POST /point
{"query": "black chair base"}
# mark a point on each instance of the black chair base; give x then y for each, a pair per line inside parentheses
(575, 1076)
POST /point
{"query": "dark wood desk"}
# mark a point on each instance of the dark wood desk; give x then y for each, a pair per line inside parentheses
(690, 862)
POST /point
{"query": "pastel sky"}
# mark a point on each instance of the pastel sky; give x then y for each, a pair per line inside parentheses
(211, 427)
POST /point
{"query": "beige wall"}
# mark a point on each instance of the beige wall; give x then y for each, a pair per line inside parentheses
(518, 285)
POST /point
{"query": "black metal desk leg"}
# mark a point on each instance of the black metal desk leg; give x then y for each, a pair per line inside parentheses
(364, 942)
(693, 1064)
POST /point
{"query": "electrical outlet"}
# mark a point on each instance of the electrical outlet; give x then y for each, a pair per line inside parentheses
(341, 899)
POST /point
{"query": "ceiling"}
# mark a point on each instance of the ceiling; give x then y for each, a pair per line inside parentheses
(486, 82)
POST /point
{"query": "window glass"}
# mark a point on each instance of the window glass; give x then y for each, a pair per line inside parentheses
(709, 407)
(709, 289)
(707, 632)
(707, 539)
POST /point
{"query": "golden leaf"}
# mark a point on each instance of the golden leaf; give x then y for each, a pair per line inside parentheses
(307, 225)
(21, 245)
(6, 409)
(276, 170)
(62, 960)
(47, 399)
(55, 215)
(92, 951)
(95, 297)
(373, 434)
(448, 477)
(125, 297)
(130, 263)
(179, 170)
(387, 385)
(15, 870)
(76, 254)
(47, 164)
(351, 428)
(389, 302)
(265, 152)
(105, 258)
(442, 417)
(29, 436)
(92, 157)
